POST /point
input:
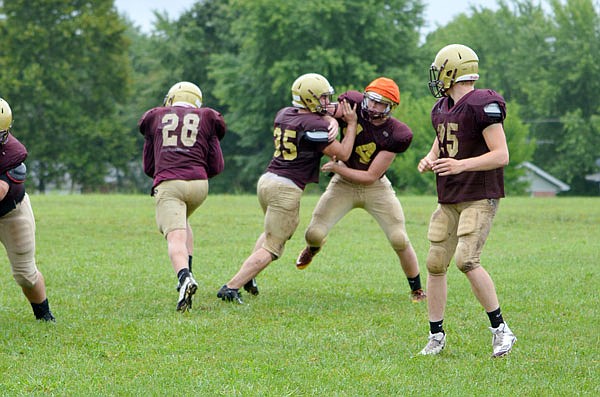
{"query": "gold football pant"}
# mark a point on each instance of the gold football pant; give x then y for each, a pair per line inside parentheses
(17, 233)
(280, 201)
(459, 230)
(341, 196)
(176, 201)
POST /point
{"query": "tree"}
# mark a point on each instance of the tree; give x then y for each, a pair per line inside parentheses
(545, 63)
(64, 70)
(350, 43)
(575, 61)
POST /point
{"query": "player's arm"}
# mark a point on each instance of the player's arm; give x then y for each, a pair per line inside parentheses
(427, 162)
(332, 129)
(16, 175)
(378, 167)
(3, 189)
(342, 150)
(220, 126)
(497, 156)
(148, 158)
(214, 162)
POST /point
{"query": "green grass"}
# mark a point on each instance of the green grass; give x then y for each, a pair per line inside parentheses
(342, 327)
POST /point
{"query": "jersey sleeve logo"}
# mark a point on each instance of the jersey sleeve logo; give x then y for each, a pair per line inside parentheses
(493, 111)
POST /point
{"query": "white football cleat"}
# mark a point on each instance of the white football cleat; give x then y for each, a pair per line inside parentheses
(435, 344)
(187, 289)
(502, 340)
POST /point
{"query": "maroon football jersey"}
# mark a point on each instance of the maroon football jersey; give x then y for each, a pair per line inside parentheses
(182, 143)
(392, 136)
(296, 157)
(459, 130)
(12, 153)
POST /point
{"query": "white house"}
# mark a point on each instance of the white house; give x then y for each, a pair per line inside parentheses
(542, 184)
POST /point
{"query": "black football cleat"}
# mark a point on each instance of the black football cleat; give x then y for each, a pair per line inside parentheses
(230, 295)
(251, 287)
(47, 317)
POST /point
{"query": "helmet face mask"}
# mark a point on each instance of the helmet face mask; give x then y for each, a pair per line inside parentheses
(184, 91)
(313, 92)
(370, 99)
(452, 64)
(5, 120)
(380, 98)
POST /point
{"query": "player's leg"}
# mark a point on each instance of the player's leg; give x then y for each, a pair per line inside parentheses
(246, 276)
(280, 198)
(189, 244)
(383, 204)
(196, 192)
(17, 233)
(334, 203)
(251, 286)
(473, 229)
(443, 241)
(171, 219)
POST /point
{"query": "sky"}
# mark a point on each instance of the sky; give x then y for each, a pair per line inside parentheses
(437, 12)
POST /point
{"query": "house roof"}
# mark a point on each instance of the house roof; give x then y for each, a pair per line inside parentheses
(563, 187)
(593, 177)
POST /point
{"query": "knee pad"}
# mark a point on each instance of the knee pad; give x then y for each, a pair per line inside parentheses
(436, 259)
(315, 235)
(399, 240)
(26, 280)
(465, 261)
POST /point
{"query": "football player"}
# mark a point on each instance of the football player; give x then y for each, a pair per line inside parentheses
(360, 181)
(17, 224)
(302, 133)
(467, 157)
(181, 152)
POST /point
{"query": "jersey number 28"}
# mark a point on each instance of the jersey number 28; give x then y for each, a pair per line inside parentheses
(188, 133)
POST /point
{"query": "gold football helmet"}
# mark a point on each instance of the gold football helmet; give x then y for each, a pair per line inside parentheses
(5, 120)
(184, 91)
(453, 63)
(307, 91)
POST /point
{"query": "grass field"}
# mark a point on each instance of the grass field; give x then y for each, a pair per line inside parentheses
(342, 327)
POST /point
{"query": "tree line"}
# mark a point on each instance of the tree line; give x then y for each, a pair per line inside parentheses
(78, 75)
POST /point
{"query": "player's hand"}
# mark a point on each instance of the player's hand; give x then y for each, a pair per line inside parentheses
(447, 166)
(424, 165)
(333, 165)
(348, 112)
(332, 129)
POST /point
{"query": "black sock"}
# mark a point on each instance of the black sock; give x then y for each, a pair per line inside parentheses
(190, 263)
(314, 250)
(183, 273)
(414, 282)
(40, 309)
(436, 326)
(495, 318)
